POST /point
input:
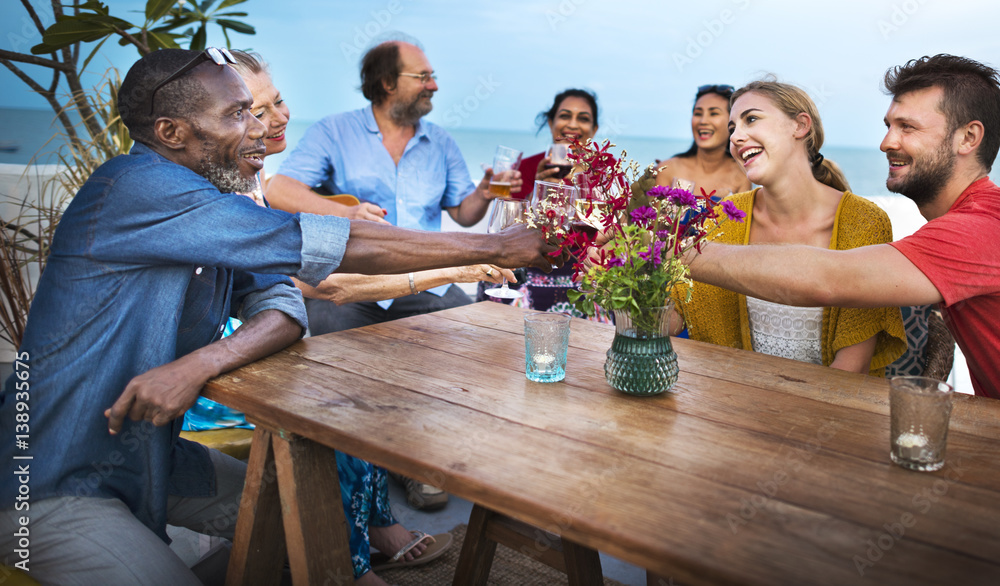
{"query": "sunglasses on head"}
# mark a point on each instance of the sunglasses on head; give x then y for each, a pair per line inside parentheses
(217, 55)
(721, 89)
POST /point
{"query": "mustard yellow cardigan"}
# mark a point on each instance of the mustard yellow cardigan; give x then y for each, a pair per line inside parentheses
(719, 316)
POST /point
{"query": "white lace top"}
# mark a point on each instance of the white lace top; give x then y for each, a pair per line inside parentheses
(786, 331)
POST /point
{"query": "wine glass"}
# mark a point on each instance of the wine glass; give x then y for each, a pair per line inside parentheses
(558, 155)
(589, 206)
(503, 214)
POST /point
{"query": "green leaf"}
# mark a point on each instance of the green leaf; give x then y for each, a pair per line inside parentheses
(157, 9)
(199, 39)
(228, 3)
(93, 53)
(95, 5)
(177, 22)
(73, 30)
(205, 5)
(159, 40)
(234, 14)
(237, 26)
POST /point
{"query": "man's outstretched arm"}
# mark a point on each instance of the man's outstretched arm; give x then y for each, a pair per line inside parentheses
(164, 393)
(870, 276)
(379, 248)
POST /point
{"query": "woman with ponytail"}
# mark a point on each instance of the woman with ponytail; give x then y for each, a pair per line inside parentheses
(776, 136)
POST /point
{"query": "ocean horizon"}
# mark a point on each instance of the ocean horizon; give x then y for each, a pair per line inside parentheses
(32, 132)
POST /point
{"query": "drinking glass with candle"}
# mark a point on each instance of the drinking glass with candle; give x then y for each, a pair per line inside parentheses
(919, 410)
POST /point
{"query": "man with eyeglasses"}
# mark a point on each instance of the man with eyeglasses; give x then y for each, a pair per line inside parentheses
(149, 261)
(395, 162)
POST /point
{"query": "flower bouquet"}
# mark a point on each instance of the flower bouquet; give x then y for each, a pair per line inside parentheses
(633, 264)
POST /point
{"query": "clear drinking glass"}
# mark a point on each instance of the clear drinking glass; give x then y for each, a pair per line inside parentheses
(546, 342)
(505, 213)
(920, 409)
(505, 162)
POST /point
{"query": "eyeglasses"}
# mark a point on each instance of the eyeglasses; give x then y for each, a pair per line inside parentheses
(721, 89)
(217, 55)
(424, 78)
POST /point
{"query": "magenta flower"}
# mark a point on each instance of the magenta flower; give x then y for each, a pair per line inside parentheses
(658, 192)
(654, 254)
(614, 261)
(682, 197)
(643, 216)
(732, 212)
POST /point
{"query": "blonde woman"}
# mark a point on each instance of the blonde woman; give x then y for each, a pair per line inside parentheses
(775, 136)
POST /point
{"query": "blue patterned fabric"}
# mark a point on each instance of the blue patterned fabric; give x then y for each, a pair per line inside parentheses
(911, 363)
(206, 414)
(364, 490)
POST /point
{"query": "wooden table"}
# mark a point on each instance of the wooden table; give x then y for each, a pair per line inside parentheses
(756, 470)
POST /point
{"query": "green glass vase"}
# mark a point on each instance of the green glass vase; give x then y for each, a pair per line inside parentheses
(642, 360)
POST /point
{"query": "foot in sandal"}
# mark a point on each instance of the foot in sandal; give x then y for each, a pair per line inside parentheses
(399, 547)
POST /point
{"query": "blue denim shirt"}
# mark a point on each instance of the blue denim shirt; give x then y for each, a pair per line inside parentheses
(148, 263)
(344, 153)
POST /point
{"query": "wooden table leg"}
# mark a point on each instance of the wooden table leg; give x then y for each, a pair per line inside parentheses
(583, 565)
(474, 562)
(258, 553)
(315, 526)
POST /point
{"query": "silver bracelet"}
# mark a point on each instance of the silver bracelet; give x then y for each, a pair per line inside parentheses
(413, 288)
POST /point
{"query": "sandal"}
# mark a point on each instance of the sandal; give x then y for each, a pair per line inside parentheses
(437, 545)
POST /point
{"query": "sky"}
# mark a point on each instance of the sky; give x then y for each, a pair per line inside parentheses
(499, 63)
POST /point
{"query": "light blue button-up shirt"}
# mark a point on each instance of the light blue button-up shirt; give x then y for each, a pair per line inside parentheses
(344, 153)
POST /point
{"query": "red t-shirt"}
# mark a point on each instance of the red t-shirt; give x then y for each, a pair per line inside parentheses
(960, 254)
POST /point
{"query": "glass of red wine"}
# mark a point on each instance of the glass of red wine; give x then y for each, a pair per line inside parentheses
(558, 156)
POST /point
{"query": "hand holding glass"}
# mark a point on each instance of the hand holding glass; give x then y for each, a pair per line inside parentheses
(558, 155)
(503, 214)
(505, 162)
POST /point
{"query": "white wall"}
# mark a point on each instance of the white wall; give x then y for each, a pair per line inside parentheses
(21, 185)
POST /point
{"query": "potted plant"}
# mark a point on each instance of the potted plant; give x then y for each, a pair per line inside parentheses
(632, 266)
